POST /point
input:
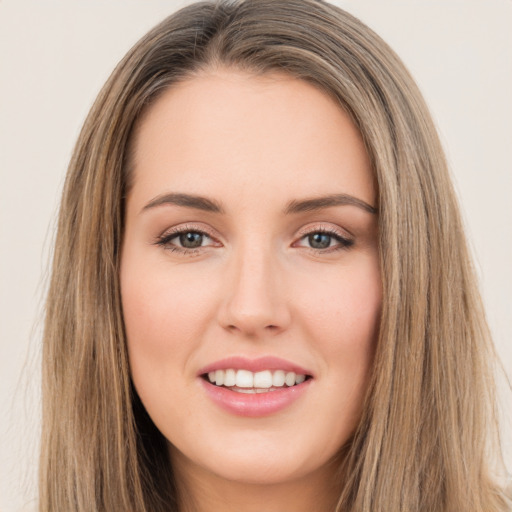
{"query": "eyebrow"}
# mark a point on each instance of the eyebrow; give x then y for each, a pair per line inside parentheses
(318, 203)
(186, 200)
(295, 206)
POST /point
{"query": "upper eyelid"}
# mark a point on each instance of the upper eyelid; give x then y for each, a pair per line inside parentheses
(342, 239)
(186, 228)
(325, 228)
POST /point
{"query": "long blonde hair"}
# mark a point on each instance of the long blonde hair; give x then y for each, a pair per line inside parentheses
(427, 434)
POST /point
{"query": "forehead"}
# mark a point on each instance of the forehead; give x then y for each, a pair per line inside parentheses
(228, 132)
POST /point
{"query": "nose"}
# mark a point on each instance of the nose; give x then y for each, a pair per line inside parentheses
(254, 303)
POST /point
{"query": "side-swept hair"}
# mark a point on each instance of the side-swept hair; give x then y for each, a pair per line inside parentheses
(425, 439)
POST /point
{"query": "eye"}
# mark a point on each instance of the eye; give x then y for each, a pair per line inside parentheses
(191, 239)
(325, 240)
(185, 240)
(320, 240)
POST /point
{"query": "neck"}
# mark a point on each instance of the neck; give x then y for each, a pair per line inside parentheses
(200, 490)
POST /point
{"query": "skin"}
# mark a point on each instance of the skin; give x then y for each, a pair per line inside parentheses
(255, 286)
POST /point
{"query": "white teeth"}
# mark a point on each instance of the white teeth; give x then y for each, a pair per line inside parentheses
(244, 379)
(230, 378)
(290, 379)
(258, 382)
(263, 379)
(278, 378)
(219, 377)
(299, 379)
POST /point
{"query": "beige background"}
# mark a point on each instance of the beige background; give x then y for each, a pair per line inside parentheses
(56, 54)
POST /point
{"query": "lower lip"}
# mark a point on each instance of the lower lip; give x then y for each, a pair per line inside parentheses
(254, 404)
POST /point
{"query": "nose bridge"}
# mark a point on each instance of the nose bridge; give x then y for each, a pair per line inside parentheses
(254, 302)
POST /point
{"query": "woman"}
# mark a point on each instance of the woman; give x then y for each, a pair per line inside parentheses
(261, 294)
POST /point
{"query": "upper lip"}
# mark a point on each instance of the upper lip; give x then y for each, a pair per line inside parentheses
(255, 365)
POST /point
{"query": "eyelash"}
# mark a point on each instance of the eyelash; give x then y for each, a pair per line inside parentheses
(343, 242)
(165, 239)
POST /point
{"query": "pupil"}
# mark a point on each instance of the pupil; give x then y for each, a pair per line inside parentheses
(191, 240)
(319, 240)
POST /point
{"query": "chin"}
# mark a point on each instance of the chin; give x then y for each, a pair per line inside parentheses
(254, 461)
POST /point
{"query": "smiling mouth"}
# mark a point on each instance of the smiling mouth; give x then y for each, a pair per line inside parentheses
(245, 381)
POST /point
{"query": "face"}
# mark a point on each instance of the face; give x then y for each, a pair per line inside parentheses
(250, 275)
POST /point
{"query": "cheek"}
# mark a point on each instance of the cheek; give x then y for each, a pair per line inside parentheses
(164, 314)
(344, 305)
(342, 315)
